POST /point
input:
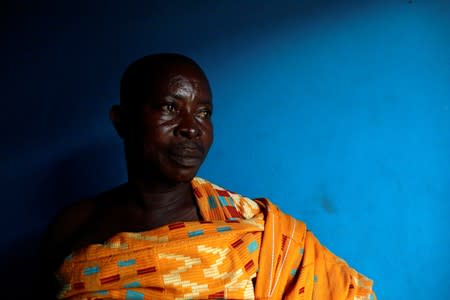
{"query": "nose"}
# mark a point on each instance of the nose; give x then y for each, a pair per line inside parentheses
(188, 127)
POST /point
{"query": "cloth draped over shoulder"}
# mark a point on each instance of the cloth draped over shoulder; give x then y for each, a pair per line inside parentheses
(216, 258)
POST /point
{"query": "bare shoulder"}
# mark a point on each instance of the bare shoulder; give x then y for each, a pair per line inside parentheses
(59, 238)
(63, 226)
(69, 222)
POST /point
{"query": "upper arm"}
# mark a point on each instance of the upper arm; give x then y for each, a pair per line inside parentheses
(55, 242)
(55, 245)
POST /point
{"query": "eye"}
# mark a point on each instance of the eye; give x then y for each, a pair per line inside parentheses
(205, 114)
(168, 107)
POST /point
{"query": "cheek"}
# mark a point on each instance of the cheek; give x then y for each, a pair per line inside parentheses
(210, 138)
(209, 134)
(157, 137)
(156, 128)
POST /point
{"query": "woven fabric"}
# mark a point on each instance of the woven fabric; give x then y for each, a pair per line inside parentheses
(216, 258)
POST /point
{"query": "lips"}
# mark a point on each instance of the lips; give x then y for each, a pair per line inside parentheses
(187, 155)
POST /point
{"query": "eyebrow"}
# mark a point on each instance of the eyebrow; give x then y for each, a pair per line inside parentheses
(203, 101)
(176, 96)
(206, 101)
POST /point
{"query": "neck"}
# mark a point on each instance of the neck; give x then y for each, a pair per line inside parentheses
(162, 197)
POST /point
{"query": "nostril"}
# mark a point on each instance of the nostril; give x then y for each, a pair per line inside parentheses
(188, 132)
(188, 127)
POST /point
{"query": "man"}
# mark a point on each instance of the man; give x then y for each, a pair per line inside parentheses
(166, 234)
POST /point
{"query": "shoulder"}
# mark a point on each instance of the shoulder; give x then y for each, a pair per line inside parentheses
(63, 226)
(52, 245)
(219, 196)
(69, 221)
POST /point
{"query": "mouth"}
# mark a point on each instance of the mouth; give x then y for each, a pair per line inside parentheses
(187, 155)
(186, 160)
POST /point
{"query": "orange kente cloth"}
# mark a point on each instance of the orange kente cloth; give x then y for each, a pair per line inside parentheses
(216, 258)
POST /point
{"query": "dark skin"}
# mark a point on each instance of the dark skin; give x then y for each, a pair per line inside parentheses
(166, 136)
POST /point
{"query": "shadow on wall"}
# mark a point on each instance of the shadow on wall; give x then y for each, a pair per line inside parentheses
(19, 267)
(82, 173)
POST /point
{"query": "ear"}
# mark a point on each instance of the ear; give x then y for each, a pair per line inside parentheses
(117, 118)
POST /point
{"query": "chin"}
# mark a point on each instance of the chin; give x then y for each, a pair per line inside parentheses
(185, 175)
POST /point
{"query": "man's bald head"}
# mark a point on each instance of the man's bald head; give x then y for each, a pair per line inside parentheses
(164, 117)
(144, 76)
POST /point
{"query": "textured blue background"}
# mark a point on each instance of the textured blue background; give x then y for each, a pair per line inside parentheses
(339, 111)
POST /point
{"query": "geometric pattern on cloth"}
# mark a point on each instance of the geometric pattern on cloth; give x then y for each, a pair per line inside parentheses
(217, 261)
(237, 240)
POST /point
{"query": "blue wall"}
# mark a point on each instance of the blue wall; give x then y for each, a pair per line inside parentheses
(339, 111)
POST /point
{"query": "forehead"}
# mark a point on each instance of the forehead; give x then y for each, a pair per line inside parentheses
(146, 82)
(183, 81)
(181, 86)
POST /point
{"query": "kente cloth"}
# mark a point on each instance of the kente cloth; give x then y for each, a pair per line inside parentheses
(237, 240)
